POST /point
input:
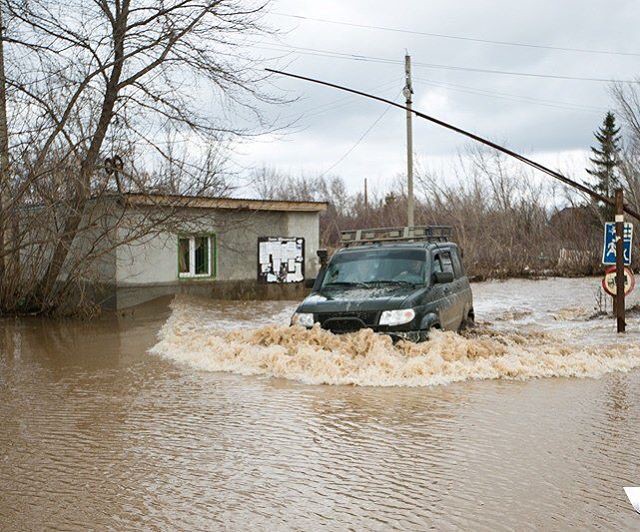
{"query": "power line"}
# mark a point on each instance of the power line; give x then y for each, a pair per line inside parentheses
(357, 143)
(345, 100)
(336, 107)
(525, 74)
(461, 37)
(512, 97)
(556, 175)
(365, 58)
(339, 103)
(491, 92)
(290, 48)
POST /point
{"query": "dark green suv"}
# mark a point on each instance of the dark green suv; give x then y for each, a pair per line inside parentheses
(401, 286)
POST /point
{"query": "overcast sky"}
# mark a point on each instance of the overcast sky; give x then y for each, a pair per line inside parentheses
(550, 119)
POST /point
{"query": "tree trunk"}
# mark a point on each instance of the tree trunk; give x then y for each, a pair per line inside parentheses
(4, 165)
(82, 193)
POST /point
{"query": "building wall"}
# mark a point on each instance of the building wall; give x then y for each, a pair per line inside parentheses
(302, 224)
(238, 242)
(152, 262)
(91, 261)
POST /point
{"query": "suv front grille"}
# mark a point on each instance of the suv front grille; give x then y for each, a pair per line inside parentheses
(347, 321)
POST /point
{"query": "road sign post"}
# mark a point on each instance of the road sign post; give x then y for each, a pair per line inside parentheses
(620, 304)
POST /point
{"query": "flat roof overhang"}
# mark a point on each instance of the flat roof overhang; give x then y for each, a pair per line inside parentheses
(201, 202)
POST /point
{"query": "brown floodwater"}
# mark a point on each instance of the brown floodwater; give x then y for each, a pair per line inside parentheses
(207, 415)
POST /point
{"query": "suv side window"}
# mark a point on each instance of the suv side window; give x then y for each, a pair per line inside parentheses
(447, 262)
(442, 262)
(437, 266)
(457, 264)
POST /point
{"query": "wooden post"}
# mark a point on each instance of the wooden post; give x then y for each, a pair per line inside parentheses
(619, 301)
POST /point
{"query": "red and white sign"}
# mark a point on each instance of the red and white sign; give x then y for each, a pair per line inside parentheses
(609, 281)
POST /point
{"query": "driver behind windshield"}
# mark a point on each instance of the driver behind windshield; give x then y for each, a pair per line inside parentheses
(360, 272)
(382, 267)
(411, 272)
(351, 272)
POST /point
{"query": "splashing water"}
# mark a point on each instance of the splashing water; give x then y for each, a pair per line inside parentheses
(192, 337)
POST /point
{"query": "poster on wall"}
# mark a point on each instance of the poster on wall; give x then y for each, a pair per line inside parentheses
(280, 259)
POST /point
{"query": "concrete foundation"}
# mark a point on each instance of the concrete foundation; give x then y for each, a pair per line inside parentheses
(130, 296)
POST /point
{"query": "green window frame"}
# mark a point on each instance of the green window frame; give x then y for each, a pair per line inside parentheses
(197, 256)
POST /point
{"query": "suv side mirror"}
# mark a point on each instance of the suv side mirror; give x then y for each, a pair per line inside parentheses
(308, 283)
(443, 277)
(323, 256)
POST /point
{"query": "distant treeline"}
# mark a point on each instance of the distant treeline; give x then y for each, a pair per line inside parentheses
(508, 221)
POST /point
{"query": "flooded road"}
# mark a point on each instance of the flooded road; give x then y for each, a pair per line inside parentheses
(98, 432)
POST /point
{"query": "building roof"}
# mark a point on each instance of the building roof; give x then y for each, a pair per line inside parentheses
(203, 202)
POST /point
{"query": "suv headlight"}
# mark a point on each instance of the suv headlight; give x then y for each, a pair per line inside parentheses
(397, 317)
(302, 318)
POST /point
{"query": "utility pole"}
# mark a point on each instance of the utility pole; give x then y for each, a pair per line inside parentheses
(619, 301)
(408, 93)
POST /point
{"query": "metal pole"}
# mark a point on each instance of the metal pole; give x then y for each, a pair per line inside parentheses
(408, 92)
(619, 301)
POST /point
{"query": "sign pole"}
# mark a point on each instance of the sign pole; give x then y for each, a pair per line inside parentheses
(619, 300)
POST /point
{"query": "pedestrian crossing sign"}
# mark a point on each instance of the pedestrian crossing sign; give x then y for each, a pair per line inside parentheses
(609, 251)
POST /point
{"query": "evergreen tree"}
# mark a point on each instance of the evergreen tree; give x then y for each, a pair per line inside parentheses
(605, 161)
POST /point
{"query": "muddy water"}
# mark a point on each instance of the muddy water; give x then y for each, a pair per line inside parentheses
(532, 421)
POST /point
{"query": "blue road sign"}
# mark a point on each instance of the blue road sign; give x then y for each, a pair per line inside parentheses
(609, 252)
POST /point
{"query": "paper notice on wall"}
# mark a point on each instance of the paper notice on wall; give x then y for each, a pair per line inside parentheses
(275, 250)
(291, 250)
(280, 259)
(263, 253)
(297, 276)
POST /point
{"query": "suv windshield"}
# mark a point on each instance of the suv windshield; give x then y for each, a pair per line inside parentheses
(378, 266)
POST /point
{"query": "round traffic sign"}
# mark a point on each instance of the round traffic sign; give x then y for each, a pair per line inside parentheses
(609, 281)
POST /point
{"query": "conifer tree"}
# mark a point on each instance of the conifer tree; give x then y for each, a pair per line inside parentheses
(605, 161)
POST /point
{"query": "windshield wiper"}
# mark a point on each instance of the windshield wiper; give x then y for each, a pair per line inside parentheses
(344, 283)
(400, 282)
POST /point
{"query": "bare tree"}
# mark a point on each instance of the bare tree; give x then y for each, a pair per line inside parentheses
(627, 98)
(94, 79)
(4, 149)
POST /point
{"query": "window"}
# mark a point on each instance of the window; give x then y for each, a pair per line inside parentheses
(457, 263)
(437, 265)
(447, 264)
(380, 266)
(196, 256)
(442, 262)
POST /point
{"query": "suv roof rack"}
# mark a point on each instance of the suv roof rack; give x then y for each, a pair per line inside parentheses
(419, 233)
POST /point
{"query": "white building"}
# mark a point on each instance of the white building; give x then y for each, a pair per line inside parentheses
(211, 246)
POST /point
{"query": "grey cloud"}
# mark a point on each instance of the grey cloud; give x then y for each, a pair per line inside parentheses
(524, 125)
